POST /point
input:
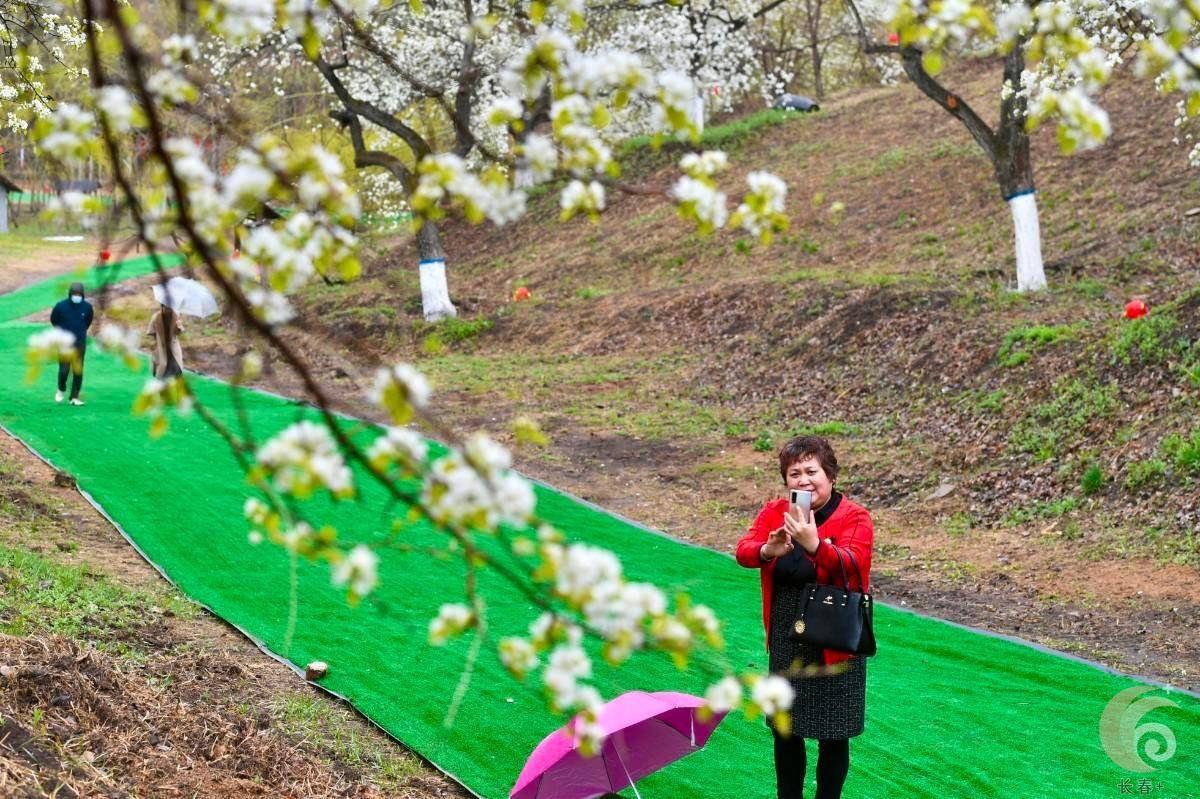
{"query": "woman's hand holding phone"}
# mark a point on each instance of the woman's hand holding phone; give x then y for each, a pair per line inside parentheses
(803, 529)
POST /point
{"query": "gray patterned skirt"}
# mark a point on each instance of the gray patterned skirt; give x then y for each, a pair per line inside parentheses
(827, 707)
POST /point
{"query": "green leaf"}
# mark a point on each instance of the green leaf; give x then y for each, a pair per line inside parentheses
(311, 41)
(931, 60)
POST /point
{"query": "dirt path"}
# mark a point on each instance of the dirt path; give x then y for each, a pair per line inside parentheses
(17, 274)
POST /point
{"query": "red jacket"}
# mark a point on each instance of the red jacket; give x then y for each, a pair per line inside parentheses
(849, 528)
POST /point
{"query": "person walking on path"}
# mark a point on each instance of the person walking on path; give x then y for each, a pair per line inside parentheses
(168, 353)
(790, 551)
(74, 314)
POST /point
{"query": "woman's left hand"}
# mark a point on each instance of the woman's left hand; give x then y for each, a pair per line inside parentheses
(803, 530)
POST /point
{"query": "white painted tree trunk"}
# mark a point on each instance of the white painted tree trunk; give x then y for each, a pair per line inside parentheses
(3, 210)
(698, 111)
(1031, 276)
(435, 294)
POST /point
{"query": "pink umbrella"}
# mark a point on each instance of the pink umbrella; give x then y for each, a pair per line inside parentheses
(643, 733)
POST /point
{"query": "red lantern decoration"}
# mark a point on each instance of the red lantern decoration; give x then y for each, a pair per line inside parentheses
(893, 38)
(521, 293)
(105, 255)
(1135, 309)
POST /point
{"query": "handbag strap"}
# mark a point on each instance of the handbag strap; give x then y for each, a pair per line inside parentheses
(857, 571)
(842, 566)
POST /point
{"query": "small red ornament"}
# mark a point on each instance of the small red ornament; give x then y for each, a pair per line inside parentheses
(521, 293)
(1135, 309)
(236, 254)
(105, 255)
(893, 38)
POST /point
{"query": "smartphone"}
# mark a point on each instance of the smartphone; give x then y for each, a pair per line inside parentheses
(802, 500)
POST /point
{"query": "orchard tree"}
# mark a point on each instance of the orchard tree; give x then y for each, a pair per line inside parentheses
(816, 39)
(1056, 55)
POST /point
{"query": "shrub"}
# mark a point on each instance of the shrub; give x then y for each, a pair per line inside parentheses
(763, 442)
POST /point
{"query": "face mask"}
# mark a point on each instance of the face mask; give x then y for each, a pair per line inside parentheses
(76, 298)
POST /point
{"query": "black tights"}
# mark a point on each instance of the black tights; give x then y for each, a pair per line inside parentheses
(833, 763)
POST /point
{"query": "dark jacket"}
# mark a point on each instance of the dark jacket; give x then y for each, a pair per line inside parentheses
(74, 317)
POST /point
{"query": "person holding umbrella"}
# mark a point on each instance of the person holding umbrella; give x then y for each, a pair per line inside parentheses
(177, 296)
(74, 314)
(165, 327)
(791, 549)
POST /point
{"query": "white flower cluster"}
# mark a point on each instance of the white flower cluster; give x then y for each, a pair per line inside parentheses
(120, 341)
(67, 135)
(578, 196)
(457, 494)
(358, 570)
(447, 176)
(400, 390)
(724, 695)
(302, 458)
(52, 346)
(518, 656)
(676, 96)
(452, 620)
(699, 199)
(762, 208)
(116, 107)
(399, 446)
(773, 694)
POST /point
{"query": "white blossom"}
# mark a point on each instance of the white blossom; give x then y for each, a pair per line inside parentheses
(359, 570)
(773, 694)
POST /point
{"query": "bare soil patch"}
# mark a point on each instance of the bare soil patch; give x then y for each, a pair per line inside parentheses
(198, 712)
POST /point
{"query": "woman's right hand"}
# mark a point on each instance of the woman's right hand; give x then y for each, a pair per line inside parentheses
(779, 543)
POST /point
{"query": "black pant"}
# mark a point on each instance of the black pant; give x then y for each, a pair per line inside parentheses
(75, 368)
(833, 763)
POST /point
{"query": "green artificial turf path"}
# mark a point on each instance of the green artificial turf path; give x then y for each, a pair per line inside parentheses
(951, 712)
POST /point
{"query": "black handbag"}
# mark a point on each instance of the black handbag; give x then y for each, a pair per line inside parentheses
(837, 618)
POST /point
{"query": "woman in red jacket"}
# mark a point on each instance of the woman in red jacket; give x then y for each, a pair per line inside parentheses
(830, 686)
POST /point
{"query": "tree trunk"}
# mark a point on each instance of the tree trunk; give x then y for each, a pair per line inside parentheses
(1008, 149)
(698, 110)
(818, 82)
(1031, 276)
(1013, 162)
(435, 295)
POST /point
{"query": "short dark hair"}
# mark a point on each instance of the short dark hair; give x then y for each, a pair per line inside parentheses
(803, 447)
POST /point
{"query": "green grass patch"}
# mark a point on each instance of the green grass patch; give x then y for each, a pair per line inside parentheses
(1021, 342)
(1183, 451)
(831, 428)
(332, 728)
(1057, 425)
(1046, 509)
(41, 596)
(728, 134)
(1140, 474)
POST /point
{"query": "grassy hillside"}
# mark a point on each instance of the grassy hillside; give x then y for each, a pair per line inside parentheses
(996, 436)
(891, 327)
